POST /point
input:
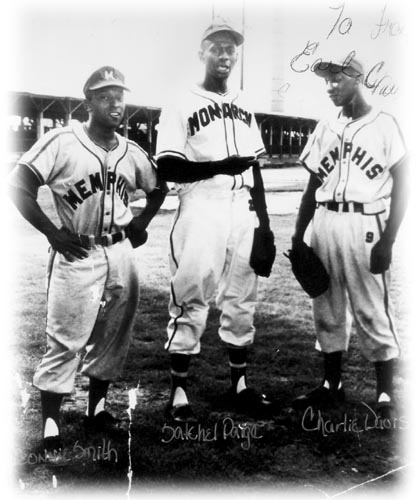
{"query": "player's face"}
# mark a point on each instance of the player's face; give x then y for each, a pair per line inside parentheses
(341, 88)
(107, 106)
(219, 54)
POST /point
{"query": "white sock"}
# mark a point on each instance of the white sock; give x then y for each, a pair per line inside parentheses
(384, 398)
(98, 408)
(241, 384)
(327, 386)
(51, 429)
(179, 397)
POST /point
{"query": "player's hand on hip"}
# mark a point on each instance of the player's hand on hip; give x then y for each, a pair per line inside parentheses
(68, 244)
(235, 165)
(380, 257)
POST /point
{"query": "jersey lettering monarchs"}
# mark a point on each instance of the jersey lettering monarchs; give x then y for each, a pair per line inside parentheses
(208, 114)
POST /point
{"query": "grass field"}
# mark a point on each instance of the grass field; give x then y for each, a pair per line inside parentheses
(283, 455)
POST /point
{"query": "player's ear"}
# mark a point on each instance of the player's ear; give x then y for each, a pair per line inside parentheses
(87, 105)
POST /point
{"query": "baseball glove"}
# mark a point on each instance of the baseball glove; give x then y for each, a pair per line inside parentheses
(263, 252)
(137, 237)
(308, 269)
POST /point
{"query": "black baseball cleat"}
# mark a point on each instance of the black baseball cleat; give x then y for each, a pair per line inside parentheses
(319, 398)
(102, 422)
(180, 414)
(251, 403)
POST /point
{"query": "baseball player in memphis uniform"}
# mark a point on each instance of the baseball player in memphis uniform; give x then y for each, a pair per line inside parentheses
(207, 140)
(357, 198)
(92, 281)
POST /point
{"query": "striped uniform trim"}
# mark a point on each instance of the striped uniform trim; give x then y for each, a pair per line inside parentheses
(179, 374)
(113, 194)
(386, 295)
(169, 152)
(235, 365)
(35, 171)
(173, 294)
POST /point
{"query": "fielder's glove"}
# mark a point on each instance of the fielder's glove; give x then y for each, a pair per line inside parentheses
(263, 252)
(308, 269)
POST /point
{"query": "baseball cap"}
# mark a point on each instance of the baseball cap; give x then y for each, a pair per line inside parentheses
(348, 64)
(107, 76)
(219, 27)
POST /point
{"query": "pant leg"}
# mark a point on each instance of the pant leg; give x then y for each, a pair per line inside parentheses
(110, 339)
(237, 292)
(74, 294)
(198, 250)
(331, 317)
(369, 293)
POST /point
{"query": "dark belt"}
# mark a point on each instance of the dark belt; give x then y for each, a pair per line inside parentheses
(88, 241)
(350, 206)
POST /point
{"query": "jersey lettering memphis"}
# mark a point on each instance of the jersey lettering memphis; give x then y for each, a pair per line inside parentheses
(358, 155)
(85, 188)
(210, 113)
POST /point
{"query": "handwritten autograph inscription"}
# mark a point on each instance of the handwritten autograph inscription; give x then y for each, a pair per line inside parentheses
(377, 79)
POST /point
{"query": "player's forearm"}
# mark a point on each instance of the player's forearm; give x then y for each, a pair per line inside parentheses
(398, 205)
(182, 171)
(154, 201)
(306, 209)
(31, 211)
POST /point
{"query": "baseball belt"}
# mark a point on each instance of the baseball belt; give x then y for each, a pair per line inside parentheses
(89, 240)
(352, 206)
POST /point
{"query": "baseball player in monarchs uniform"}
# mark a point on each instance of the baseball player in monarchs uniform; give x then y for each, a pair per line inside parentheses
(92, 280)
(207, 140)
(356, 199)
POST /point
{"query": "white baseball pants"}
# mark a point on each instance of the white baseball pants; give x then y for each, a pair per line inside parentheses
(211, 242)
(91, 305)
(344, 241)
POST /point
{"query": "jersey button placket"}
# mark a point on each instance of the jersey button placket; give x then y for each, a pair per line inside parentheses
(107, 205)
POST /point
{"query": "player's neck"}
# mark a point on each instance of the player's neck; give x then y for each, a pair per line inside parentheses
(356, 108)
(105, 138)
(214, 85)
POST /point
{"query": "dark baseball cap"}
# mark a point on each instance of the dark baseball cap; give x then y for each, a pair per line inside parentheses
(222, 27)
(348, 64)
(107, 76)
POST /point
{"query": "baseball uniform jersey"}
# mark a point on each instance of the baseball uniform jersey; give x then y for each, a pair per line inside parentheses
(354, 160)
(91, 302)
(212, 233)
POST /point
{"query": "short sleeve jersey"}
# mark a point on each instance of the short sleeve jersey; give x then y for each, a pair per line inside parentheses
(354, 158)
(206, 126)
(91, 187)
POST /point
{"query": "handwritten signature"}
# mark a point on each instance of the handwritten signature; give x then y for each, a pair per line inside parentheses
(228, 429)
(104, 452)
(315, 421)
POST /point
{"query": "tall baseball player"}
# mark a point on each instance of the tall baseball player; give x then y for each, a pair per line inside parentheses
(207, 140)
(92, 281)
(356, 199)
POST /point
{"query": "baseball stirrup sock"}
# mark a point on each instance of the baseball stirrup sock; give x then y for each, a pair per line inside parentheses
(179, 377)
(332, 368)
(384, 377)
(51, 405)
(97, 396)
(238, 367)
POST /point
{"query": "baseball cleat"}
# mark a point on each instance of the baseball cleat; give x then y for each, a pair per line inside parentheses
(181, 414)
(102, 422)
(319, 398)
(252, 403)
